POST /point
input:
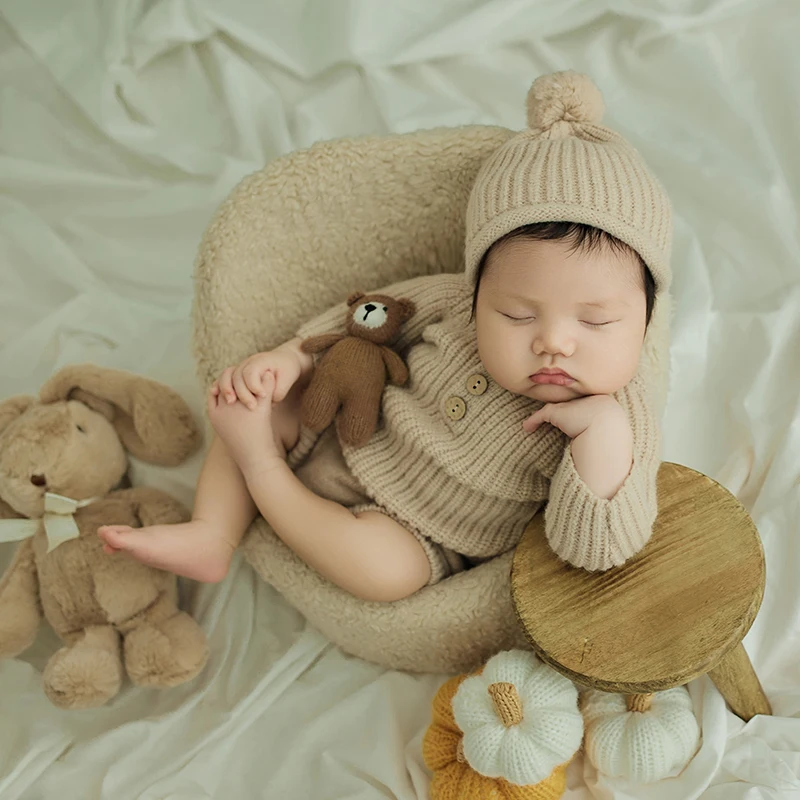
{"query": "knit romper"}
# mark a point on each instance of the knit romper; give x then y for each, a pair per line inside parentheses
(451, 462)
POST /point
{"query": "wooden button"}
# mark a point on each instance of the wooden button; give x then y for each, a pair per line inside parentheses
(455, 408)
(477, 384)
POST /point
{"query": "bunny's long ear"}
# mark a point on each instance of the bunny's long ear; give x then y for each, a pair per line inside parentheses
(14, 407)
(153, 421)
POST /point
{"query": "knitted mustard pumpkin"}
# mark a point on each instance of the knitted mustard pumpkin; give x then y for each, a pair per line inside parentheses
(644, 742)
(509, 731)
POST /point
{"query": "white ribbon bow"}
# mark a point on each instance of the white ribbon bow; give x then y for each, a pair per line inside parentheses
(58, 519)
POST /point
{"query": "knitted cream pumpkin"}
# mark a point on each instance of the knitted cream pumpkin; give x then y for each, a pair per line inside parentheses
(508, 732)
(640, 745)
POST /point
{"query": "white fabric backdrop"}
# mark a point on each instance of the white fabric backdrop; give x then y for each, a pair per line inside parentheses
(123, 125)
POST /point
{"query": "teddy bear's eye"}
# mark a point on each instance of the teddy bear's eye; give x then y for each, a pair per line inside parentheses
(81, 428)
(385, 308)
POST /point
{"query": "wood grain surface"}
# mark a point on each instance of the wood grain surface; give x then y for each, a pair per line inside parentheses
(665, 617)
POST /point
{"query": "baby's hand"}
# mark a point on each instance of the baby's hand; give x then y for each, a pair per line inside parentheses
(247, 433)
(246, 382)
(573, 417)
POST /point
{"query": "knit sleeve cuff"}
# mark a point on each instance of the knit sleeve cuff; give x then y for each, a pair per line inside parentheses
(595, 533)
(433, 295)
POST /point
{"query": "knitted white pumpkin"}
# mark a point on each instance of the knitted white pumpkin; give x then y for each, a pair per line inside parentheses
(520, 718)
(642, 746)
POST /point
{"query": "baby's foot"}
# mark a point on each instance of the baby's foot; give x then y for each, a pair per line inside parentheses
(192, 549)
(247, 433)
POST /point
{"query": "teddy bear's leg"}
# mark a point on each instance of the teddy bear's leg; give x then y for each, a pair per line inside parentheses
(319, 405)
(358, 420)
(166, 647)
(87, 672)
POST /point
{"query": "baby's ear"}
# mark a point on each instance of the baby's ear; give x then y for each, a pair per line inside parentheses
(407, 308)
(354, 298)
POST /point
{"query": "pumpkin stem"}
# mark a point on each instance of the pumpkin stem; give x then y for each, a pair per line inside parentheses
(639, 702)
(507, 703)
(460, 757)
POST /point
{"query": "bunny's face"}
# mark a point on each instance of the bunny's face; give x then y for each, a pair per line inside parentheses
(65, 448)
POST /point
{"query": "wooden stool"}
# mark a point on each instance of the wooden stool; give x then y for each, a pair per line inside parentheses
(677, 610)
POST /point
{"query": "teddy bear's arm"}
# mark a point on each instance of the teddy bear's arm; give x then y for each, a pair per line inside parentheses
(316, 344)
(398, 371)
(20, 609)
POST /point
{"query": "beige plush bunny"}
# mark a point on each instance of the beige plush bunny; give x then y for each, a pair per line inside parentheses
(63, 463)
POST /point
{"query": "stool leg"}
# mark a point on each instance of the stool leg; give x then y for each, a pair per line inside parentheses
(738, 683)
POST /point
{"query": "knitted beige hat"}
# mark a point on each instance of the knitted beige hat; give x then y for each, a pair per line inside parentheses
(568, 168)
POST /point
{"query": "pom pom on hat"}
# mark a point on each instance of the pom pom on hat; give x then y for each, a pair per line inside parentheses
(563, 97)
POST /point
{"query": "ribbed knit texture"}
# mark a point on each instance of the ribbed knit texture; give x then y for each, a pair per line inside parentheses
(473, 484)
(568, 167)
(640, 746)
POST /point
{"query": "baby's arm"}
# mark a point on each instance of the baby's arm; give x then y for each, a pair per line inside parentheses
(602, 502)
(288, 363)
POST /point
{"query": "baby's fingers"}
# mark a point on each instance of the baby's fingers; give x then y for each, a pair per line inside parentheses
(532, 423)
(252, 375)
(269, 382)
(226, 385)
(242, 391)
(537, 418)
(282, 386)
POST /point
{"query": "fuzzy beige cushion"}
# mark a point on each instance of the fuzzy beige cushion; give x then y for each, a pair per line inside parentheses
(293, 240)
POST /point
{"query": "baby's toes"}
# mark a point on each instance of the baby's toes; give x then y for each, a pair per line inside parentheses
(264, 405)
(114, 536)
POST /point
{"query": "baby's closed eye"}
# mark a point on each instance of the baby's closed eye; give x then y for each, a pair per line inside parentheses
(598, 324)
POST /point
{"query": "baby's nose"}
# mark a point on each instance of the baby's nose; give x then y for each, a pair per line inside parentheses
(38, 480)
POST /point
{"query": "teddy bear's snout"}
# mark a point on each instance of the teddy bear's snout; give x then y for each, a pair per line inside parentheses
(371, 315)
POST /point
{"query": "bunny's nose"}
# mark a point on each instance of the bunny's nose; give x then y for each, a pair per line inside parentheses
(38, 480)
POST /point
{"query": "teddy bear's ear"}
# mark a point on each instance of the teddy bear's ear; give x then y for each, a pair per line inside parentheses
(14, 407)
(153, 421)
(407, 308)
(354, 298)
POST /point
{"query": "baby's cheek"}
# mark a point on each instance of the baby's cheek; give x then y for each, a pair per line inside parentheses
(620, 362)
(498, 367)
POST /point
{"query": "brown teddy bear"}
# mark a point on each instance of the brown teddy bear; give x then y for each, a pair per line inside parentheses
(62, 462)
(352, 374)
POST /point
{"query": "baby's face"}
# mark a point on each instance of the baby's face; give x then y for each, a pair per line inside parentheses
(543, 306)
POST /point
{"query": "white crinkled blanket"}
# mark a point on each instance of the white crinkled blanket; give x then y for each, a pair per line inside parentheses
(124, 125)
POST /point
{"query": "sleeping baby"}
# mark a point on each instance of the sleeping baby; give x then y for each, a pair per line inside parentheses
(528, 384)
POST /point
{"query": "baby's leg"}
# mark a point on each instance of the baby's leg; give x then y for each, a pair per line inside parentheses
(367, 554)
(203, 548)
